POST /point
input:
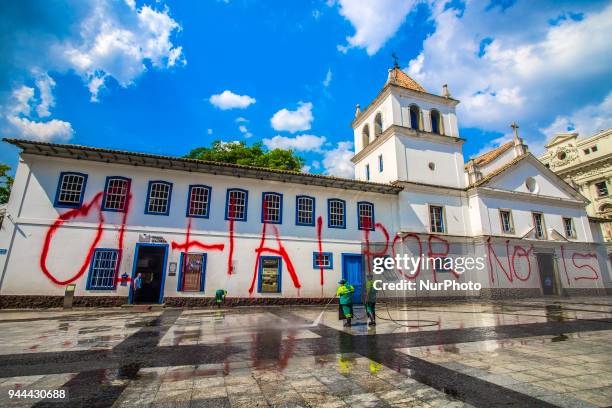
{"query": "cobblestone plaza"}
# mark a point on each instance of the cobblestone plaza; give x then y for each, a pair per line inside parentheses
(523, 353)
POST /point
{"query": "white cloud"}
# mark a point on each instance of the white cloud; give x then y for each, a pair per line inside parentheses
(96, 82)
(18, 112)
(293, 121)
(53, 130)
(209, 131)
(501, 73)
(301, 143)
(115, 42)
(337, 162)
(315, 164)
(587, 120)
(374, 21)
(45, 86)
(305, 169)
(21, 100)
(98, 40)
(229, 100)
(245, 132)
(241, 119)
(328, 78)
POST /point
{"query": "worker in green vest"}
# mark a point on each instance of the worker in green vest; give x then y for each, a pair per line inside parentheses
(370, 301)
(345, 294)
(220, 296)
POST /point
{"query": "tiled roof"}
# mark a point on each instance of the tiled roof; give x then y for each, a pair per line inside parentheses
(491, 155)
(400, 78)
(499, 170)
(186, 164)
(519, 159)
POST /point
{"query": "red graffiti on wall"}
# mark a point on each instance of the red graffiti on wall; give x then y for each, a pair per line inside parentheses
(402, 239)
(443, 254)
(511, 272)
(190, 243)
(230, 258)
(320, 244)
(432, 240)
(69, 215)
(83, 211)
(262, 249)
(367, 251)
(585, 256)
(589, 255)
(520, 251)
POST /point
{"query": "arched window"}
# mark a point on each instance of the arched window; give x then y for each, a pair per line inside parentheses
(415, 116)
(365, 136)
(378, 124)
(436, 122)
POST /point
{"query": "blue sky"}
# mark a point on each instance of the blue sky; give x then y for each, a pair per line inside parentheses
(165, 77)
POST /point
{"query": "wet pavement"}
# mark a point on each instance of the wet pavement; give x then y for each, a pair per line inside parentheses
(523, 353)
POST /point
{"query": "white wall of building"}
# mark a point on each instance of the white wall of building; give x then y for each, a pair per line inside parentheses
(34, 212)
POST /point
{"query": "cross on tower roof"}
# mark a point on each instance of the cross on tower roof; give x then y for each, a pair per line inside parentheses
(515, 127)
(395, 60)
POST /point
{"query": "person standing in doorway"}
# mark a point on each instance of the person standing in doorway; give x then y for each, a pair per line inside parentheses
(137, 286)
(345, 294)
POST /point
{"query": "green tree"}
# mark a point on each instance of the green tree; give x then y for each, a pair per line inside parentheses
(254, 155)
(6, 182)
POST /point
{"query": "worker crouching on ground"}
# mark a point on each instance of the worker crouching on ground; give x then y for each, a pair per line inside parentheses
(220, 296)
(345, 294)
(370, 302)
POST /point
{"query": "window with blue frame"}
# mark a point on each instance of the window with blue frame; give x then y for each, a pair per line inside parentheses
(270, 268)
(192, 272)
(336, 213)
(116, 193)
(198, 201)
(380, 163)
(365, 212)
(304, 210)
(367, 172)
(70, 190)
(102, 270)
(158, 198)
(272, 208)
(323, 260)
(236, 204)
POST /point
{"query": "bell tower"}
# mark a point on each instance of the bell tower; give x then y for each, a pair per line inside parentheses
(408, 134)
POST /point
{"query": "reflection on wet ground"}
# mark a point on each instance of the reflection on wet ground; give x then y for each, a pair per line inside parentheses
(534, 352)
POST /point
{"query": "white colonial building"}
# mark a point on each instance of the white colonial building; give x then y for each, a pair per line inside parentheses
(95, 218)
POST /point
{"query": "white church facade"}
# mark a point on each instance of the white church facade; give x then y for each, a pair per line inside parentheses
(95, 218)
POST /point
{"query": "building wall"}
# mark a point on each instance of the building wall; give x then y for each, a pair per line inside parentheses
(388, 151)
(446, 158)
(31, 214)
(31, 207)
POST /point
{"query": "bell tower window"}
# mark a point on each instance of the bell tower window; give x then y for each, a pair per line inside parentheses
(415, 116)
(436, 122)
(378, 125)
(365, 136)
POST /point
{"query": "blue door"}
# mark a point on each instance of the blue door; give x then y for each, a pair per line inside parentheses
(352, 271)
